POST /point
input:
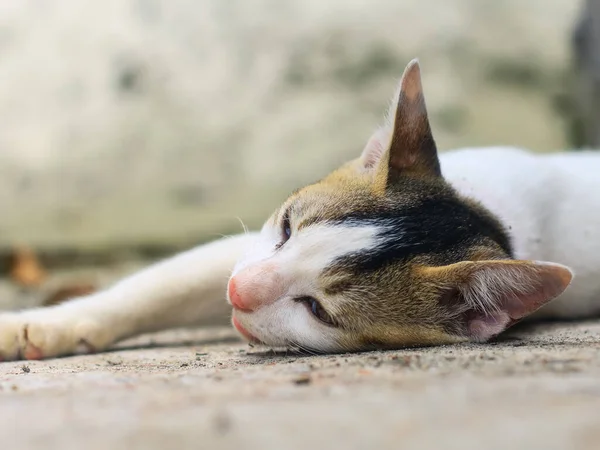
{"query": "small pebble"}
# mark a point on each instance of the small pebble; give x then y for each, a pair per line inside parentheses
(303, 379)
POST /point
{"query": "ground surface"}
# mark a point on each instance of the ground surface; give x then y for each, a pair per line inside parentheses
(537, 388)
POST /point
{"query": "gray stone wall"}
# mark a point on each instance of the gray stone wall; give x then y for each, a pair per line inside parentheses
(165, 120)
(585, 130)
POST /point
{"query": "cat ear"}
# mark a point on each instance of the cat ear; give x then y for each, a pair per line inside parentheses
(483, 298)
(405, 144)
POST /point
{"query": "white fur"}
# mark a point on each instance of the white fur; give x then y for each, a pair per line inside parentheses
(551, 206)
(298, 263)
(185, 290)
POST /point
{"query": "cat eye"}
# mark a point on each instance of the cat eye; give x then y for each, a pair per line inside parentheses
(317, 310)
(286, 229)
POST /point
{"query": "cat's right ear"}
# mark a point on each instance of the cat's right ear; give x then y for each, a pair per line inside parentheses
(483, 298)
(405, 145)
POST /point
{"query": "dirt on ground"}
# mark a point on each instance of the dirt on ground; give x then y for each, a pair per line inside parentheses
(537, 387)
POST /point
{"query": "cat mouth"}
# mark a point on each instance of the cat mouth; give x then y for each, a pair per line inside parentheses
(244, 332)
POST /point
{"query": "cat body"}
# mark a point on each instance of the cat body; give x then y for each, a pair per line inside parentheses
(396, 248)
(550, 204)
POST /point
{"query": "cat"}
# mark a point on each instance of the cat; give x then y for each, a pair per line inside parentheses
(399, 247)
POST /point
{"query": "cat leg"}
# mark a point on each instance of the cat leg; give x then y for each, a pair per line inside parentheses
(187, 289)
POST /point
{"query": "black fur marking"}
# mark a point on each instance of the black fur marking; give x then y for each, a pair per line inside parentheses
(443, 227)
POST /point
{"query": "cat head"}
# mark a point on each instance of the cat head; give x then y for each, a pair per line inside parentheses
(383, 253)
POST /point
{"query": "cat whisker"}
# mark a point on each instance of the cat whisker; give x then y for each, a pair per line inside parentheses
(244, 227)
(303, 348)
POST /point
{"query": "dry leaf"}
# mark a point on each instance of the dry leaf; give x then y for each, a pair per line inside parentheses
(25, 269)
(67, 292)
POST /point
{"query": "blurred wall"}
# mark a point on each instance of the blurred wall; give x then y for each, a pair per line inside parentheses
(585, 129)
(166, 120)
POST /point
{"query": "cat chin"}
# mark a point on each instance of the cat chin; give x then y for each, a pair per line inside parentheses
(284, 326)
(244, 332)
(250, 326)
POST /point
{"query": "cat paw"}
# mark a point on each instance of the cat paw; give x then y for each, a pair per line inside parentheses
(40, 334)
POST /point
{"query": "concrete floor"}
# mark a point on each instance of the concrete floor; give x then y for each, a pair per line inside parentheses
(536, 388)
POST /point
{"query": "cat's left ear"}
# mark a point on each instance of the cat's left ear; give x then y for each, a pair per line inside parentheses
(405, 145)
(480, 299)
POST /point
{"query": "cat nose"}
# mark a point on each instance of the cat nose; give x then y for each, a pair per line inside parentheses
(234, 298)
(254, 287)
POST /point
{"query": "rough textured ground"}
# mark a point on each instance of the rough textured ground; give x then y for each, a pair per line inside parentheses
(537, 388)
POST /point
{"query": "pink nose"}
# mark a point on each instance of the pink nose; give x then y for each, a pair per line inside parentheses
(234, 297)
(254, 287)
